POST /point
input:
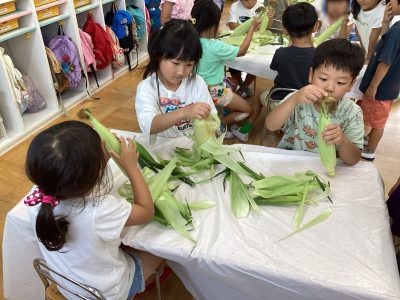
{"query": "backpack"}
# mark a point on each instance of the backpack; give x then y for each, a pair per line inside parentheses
(124, 28)
(102, 44)
(140, 20)
(153, 6)
(118, 53)
(60, 79)
(67, 54)
(35, 101)
(87, 49)
(17, 83)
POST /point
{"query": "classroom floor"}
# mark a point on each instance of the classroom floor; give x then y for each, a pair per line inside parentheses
(115, 109)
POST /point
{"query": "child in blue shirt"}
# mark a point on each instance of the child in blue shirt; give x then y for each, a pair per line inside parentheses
(381, 81)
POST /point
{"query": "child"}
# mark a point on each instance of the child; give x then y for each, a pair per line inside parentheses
(240, 12)
(332, 11)
(171, 94)
(381, 81)
(175, 9)
(294, 62)
(367, 16)
(211, 67)
(77, 223)
(335, 66)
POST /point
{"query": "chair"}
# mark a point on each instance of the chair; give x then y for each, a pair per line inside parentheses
(52, 292)
(266, 100)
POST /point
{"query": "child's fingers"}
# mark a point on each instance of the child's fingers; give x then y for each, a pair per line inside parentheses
(114, 154)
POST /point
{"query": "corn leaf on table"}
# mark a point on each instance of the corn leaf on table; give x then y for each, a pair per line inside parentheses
(348, 256)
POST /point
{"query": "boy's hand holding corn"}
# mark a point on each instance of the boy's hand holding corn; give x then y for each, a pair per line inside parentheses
(333, 135)
(199, 110)
(309, 94)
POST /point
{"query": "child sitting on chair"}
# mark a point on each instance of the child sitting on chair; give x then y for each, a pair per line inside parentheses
(293, 63)
(335, 66)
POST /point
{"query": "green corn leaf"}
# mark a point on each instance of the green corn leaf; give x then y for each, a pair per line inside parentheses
(239, 203)
(298, 216)
(231, 164)
(161, 179)
(201, 205)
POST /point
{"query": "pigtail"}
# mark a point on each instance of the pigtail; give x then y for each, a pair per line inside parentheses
(355, 9)
(152, 49)
(50, 231)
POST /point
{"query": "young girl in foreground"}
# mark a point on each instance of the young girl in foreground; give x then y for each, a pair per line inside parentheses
(171, 94)
(78, 224)
(367, 16)
(212, 65)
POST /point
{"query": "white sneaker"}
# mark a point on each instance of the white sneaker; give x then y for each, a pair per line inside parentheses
(368, 154)
(244, 137)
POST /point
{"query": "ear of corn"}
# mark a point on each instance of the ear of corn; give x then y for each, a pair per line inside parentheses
(264, 23)
(328, 32)
(327, 152)
(245, 26)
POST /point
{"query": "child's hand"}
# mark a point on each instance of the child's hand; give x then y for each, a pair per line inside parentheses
(198, 110)
(333, 134)
(255, 24)
(271, 13)
(370, 93)
(129, 157)
(388, 15)
(310, 94)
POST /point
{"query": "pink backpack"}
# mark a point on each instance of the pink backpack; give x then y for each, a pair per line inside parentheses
(118, 52)
(87, 48)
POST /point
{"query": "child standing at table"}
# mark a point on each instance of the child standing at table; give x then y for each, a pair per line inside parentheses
(293, 63)
(175, 9)
(367, 16)
(335, 66)
(240, 12)
(206, 16)
(78, 224)
(171, 95)
(381, 81)
(331, 12)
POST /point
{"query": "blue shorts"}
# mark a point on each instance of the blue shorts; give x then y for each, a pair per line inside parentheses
(138, 283)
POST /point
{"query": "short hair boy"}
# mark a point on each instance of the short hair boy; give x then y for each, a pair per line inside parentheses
(335, 66)
(293, 63)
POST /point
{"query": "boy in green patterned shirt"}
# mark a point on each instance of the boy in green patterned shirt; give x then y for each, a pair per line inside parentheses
(335, 66)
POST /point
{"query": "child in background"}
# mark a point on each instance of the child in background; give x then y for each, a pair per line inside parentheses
(211, 67)
(78, 224)
(171, 95)
(279, 8)
(381, 81)
(335, 66)
(240, 12)
(332, 11)
(175, 9)
(367, 16)
(294, 62)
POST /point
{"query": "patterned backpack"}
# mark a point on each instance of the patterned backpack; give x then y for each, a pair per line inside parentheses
(118, 53)
(60, 79)
(35, 101)
(67, 54)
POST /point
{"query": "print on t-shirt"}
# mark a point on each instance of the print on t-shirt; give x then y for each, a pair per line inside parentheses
(173, 104)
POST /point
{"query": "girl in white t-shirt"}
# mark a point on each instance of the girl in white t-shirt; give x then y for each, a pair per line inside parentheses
(77, 223)
(332, 10)
(367, 16)
(171, 95)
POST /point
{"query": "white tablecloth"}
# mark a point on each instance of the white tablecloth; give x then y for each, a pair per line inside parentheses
(349, 256)
(258, 62)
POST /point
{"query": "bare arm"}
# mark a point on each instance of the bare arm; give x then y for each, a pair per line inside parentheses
(165, 121)
(380, 73)
(349, 152)
(143, 208)
(387, 18)
(373, 39)
(166, 12)
(232, 25)
(247, 40)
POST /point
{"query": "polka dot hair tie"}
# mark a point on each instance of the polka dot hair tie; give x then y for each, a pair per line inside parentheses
(38, 196)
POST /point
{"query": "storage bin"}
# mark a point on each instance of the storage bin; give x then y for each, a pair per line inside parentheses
(42, 2)
(48, 13)
(7, 8)
(79, 3)
(8, 26)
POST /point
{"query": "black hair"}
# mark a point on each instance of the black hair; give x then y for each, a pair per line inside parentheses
(299, 19)
(356, 8)
(206, 15)
(177, 39)
(325, 4)
(340, 54)
(65, 161)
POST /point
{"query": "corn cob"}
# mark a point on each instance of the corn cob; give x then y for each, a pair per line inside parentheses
(244, 27)
(328, 32)
(327, 152)
(264, 23)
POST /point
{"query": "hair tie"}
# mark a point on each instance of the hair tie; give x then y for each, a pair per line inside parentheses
(193, 20)
(38, 196)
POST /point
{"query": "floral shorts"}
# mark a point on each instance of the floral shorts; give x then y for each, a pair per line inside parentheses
(221, 94)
